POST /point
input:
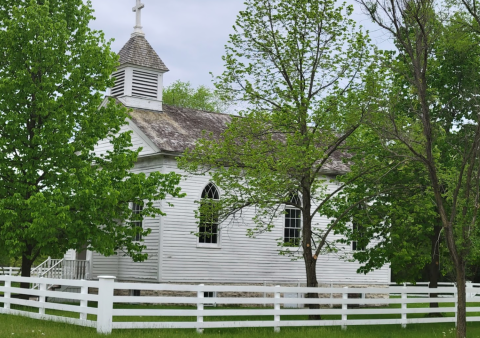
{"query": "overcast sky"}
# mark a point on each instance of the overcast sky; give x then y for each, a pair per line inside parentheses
(188, 35)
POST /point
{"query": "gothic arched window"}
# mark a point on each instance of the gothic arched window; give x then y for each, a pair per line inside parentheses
(358, 231)
(208, 215)
(293, 222)
(136, 210)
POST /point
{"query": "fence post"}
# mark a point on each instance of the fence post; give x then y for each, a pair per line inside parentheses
(200, 306)
(276, 307)
(83, 303)
(469, 285)
(404, 306)
(264, 293)
(105, 304)
(41, 299)
(331, 295)
(344, 308)
(7, 295)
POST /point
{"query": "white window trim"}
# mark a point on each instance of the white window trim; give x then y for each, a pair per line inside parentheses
(132, 204)
(209, 245)
(216, 245)
(291, 207)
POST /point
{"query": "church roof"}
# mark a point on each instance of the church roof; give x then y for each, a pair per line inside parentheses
(139, 52)
(177, 129)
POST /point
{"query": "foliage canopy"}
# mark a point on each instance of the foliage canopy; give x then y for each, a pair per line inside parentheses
(297, 66)
(182, 94)
(56, 193)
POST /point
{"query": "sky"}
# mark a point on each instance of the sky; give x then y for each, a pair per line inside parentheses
(188, 35)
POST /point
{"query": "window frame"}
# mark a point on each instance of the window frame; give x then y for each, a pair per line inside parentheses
(137, 209)
(297, 219)
(210, 193)
(357, 228)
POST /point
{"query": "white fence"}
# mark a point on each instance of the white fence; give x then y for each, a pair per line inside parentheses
(9, 271)
(246, 302)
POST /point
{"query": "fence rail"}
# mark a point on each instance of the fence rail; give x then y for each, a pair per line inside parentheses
(9, 271)
(408, 305)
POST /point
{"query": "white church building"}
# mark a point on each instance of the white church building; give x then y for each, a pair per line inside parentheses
(175, 254)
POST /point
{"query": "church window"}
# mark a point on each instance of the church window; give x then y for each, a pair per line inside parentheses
(358, 233)
(136, 210)
(208, 224)
(293, 222)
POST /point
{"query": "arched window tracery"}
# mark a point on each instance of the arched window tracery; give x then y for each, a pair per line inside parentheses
(208, 232)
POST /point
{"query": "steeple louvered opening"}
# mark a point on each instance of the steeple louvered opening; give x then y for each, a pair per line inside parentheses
(139, 81)
(144, 84)
(119, 87)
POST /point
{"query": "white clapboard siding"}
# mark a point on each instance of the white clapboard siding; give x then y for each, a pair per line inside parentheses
(175, 256)
(138, 141)
(238, 258)
(104, 266)
(121, 265)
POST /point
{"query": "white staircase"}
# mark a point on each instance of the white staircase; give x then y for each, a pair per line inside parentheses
(61, 269)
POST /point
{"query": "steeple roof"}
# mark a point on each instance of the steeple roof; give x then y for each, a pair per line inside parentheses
(139, 52)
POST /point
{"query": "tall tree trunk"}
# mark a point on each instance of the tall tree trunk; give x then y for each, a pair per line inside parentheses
(308, 253)
(26, 270)
(311, 270)
(434, 267)
(462, 299)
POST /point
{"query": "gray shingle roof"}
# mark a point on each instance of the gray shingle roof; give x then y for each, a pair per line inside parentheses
(177, 129)
(139, 52)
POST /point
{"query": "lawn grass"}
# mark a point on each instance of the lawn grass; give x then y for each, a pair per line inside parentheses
(13, 326)
(20, 327)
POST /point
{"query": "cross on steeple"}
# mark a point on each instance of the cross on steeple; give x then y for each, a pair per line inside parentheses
(138, 26)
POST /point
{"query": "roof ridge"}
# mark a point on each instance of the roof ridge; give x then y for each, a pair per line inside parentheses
(199, 110)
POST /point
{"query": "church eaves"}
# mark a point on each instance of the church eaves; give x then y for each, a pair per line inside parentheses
(137, 51)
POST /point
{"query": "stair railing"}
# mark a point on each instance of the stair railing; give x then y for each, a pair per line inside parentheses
(40, 270)
(53, 269)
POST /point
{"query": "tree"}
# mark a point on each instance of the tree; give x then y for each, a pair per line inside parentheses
(182, 94)
(56, 193)
(4, 259)
(441, 129)
(297, 65)
(398, 222)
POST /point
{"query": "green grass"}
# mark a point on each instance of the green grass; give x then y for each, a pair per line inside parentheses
(13, 326)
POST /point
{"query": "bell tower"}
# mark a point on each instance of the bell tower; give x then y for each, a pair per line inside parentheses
(139, 78)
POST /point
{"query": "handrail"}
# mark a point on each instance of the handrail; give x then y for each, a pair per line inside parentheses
(45, 265)
(39, 266)
(53, 267)
(75, 269)
(43, 273)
